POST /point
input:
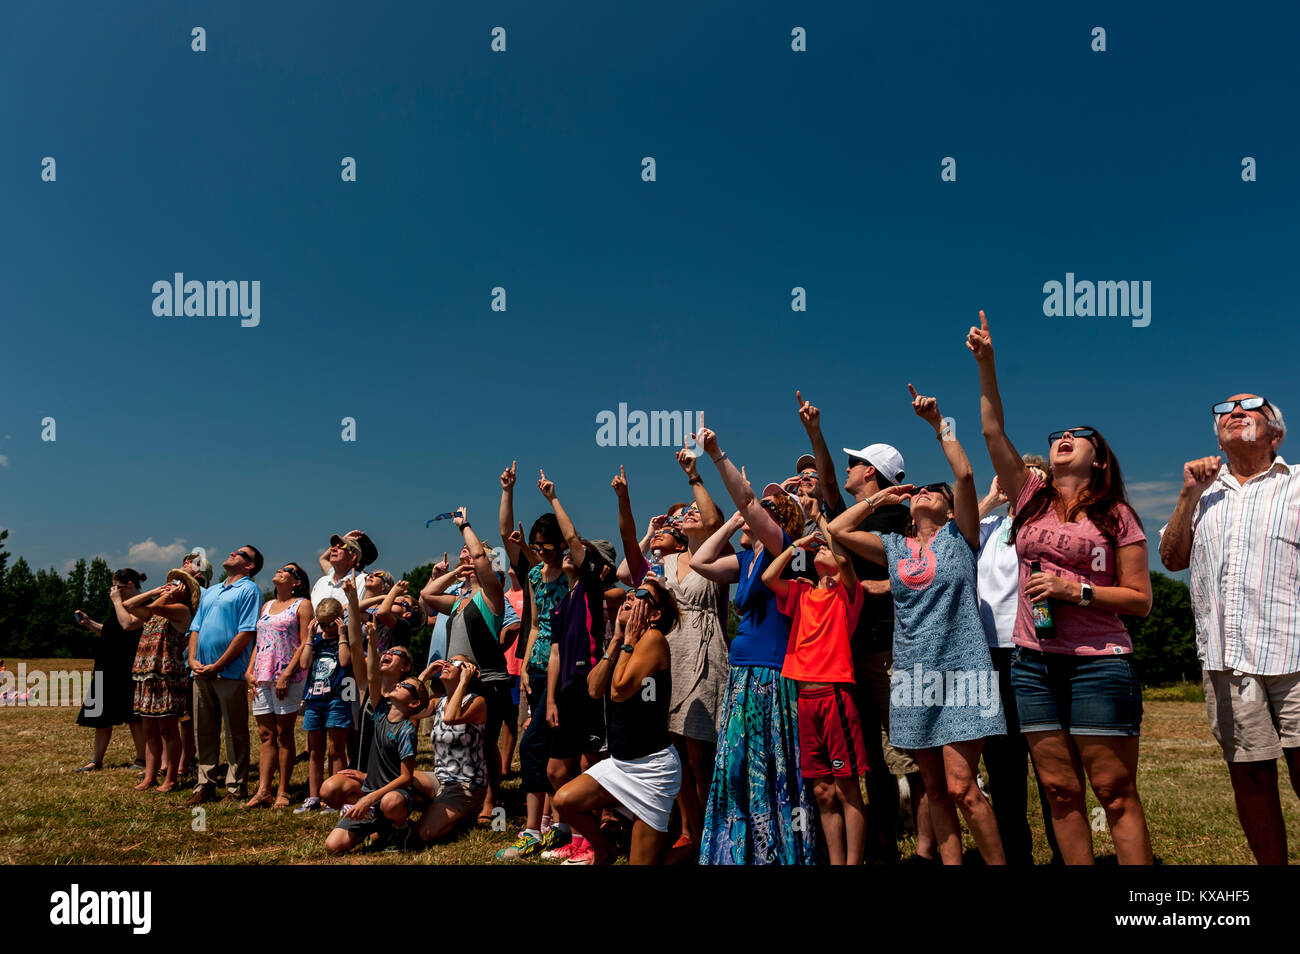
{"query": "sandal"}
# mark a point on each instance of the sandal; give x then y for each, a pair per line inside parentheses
(91, 767)
(282, 801)
(259, 801)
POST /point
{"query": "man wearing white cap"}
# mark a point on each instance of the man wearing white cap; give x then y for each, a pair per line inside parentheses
(870, 470)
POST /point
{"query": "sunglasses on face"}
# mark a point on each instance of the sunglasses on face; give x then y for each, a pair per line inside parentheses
(808, 475)
(545, 547)
(404, 607)
(395, 652)
(646, 595)
(409, 688)
(939, 488)
(1247, 404)
(242, 555)
(858, 462)
(1086, 433)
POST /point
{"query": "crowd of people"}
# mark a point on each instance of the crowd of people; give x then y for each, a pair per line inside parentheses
(887, 636)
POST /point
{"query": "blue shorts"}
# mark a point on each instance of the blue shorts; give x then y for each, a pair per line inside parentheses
(329, 713)
(1082, 695)
(514, 690)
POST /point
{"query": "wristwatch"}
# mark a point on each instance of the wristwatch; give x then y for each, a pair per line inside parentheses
(626, 648)
(1085, 594)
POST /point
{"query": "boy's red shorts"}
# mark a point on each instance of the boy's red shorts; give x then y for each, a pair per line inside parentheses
(830, 734)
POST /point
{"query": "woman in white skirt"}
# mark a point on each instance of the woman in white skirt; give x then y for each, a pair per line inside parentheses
(643, 774)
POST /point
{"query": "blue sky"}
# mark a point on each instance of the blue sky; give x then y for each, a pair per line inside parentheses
(523, 170)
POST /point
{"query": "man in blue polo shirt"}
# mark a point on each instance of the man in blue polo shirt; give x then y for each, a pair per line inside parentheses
(222, 636)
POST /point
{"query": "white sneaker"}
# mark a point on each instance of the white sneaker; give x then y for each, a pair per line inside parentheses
(309, 804)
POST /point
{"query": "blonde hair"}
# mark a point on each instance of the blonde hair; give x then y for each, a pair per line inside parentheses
(328, 610)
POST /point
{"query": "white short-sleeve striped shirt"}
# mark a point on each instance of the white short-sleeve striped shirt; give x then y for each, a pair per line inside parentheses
(1245, 572)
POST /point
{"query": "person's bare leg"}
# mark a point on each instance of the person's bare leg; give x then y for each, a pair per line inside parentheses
(647, 844)
(315, 761)
(1259, 809)
(286, 748)
(535, 803)
(943, 813)
(338, 750)
(688, 799)
(152, 756)
(1111, 764)
(139, 738)
(343, 789)
(849, 792)
(266, 758)
(102, 738)
(171, 745)
(926, 845)
(1061, 772)
(579, 803)
(831, 816)
(961, 766)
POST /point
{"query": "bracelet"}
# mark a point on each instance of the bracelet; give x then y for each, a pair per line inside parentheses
(720, 458)
(696, 480)
(464, 526)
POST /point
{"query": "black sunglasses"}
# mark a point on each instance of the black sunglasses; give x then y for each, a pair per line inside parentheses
(245, 556)
(1247, 404)
(858, 462)
(642, 593)
(939, 488)
(1087, 433)
(396, 652)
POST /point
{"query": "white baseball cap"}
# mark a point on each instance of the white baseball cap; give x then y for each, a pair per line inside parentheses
(884, 457)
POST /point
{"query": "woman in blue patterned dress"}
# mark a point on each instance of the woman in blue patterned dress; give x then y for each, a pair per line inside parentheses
(944, 697)
(758, 811)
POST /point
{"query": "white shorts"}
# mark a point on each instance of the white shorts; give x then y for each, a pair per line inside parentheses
(645, 788)
(266, 702)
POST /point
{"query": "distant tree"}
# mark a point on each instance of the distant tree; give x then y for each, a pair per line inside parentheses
(1164, 643)
(416, 580)
(19, 600)
(75, 586)
(98, 580)
(51, 631)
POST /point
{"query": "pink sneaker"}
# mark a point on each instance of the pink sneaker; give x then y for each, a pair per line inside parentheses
(581, 856)
(564, 852)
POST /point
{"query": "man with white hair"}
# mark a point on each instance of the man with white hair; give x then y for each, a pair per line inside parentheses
(1237, 525)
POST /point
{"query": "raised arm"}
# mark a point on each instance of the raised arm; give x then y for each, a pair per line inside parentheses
(848, 575)
(811, 418)
(506, 516)
(1176, 538)
(710, 515)
(772, 575)
(1011, 470)
(385, 612)
(649, 655)
(862, 542)
(965, 505)
(434, 596)
(761, 524)
(577, 552)
(634, 564)
(493, 594)
(711, 562)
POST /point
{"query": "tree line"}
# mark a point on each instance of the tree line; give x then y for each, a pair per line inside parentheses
(36, 617)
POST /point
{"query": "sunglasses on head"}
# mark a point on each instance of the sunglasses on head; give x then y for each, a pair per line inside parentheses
(1247, 404)
(1086, 433)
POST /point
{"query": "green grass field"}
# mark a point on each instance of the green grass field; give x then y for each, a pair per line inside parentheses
(55, 816)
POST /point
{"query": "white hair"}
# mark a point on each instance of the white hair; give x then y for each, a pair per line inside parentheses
(1276, 422)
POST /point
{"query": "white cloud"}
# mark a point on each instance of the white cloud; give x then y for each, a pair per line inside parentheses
(151, 552)
(1154, 496)
(4, 461)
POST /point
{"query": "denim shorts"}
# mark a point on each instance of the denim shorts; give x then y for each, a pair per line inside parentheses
(1083, 695)
(330, 713)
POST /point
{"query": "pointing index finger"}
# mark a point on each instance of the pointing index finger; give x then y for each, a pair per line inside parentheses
(913, 390)
(984, 322)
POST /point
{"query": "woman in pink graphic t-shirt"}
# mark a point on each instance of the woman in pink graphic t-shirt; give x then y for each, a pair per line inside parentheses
(1077, 693)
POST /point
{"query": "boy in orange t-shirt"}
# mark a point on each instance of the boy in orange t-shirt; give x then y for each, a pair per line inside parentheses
(831, 752)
